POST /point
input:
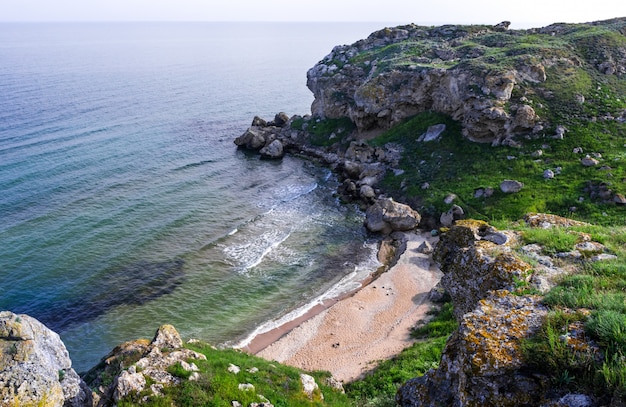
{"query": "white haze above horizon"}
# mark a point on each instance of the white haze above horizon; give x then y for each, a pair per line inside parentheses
(530, 13)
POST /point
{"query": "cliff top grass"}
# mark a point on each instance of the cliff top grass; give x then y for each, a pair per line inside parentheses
(455, 165)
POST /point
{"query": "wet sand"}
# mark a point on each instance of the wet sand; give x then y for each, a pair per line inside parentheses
(348, 337)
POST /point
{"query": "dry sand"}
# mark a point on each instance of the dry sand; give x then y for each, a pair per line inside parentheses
(348, 338)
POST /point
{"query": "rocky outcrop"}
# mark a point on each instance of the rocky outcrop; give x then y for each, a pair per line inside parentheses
(476, 259)
(134, 365)
(267, 137)
(35, 367)
(478, 75)
(486, 361)
(355, 81)
(482, 362)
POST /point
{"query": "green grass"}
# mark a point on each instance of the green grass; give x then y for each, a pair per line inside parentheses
(457, 165)
(325, 132)
(595, 295)
(218, 387)
(549, 354)
(552, 240)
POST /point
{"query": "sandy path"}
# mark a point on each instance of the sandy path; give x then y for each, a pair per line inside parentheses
(373, 324)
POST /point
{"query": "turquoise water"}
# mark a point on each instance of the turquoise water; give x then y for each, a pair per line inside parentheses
(123, 201)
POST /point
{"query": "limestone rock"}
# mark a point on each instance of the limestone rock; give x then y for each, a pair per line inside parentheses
(246, 387)
(473, 266)
(454, 213)
(560, 133)
(335, 384)
(433, 133)
(374, 100)
(252, 139)
(386, 216)
(273, 150)
(483, 192)
(258, 122)
(137, 363)
(129, 382)
(281, 119)
(575, 400)
(35, 368)
(589, 161)
(233, 368)
(482, 362)
(588, 249)
(367, 192)
(449, 199)
(309, 386)
(167, 337)
(511, 186)
(425, 248)
(548, 174)
(545, 221)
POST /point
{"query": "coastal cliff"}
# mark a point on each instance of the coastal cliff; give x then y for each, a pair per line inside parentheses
(539, 309)
(491, 80)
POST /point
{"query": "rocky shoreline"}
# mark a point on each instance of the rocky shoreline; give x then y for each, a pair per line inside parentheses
(495, 292)
(358, 166)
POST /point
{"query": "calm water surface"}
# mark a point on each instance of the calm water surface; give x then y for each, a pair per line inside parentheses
(123, 201)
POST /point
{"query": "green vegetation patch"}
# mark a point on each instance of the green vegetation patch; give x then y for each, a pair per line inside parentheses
(217, 386)
(582, 344)
(325, 132)
(459, 166)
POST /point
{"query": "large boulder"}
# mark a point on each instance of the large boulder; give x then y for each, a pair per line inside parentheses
(386, 216)
(482, 363)
(252, 139)
(273, 150)
(35, 367)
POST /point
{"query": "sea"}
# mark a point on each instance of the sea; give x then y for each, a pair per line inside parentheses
(124, 203)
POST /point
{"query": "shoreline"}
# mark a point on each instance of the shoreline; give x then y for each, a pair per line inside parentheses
(387, 256)
(347, 335)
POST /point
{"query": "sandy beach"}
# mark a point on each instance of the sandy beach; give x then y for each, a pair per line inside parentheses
(350, 336)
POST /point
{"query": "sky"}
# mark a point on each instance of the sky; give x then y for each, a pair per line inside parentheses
(427, 12)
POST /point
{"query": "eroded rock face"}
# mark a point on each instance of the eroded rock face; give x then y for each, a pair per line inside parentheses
(371, 99)
(476, 259)
(481, 363)
(35, 368)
